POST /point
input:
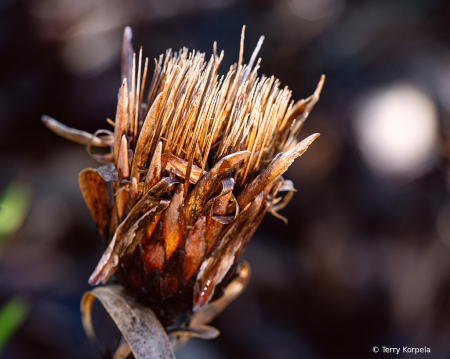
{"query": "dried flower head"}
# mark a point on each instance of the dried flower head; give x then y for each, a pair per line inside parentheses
(190, 173)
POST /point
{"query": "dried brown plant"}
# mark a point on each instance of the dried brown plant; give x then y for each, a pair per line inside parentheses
(193, 167)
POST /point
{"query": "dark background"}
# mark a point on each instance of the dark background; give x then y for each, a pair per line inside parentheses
(365, 258)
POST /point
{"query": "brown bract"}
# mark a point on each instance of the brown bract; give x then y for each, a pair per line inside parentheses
(95, 193)
(210, 183)
(191, 174)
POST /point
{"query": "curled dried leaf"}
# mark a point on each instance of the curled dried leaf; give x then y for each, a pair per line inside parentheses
(99, 157)
(178, 167)
(81, 137)
(161, 187)
(138, 324)
(277, 215)
(227, 187)
(287, 186)
(286, 199)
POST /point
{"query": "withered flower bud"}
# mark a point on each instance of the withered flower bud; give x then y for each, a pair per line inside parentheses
(192, 171)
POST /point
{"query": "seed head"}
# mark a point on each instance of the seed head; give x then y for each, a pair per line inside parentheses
(193, 167)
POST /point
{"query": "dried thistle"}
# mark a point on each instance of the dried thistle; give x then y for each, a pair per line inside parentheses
(191, 172)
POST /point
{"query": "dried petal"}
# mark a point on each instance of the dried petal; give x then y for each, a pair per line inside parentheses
(173, 220)
(95, 193)
(195, 248)
(277, 215)
(121, 199)
(154, 171)
(286, 186)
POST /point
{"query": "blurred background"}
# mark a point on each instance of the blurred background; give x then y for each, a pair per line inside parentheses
(365, 258)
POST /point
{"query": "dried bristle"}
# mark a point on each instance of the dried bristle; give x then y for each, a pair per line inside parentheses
(201, 118)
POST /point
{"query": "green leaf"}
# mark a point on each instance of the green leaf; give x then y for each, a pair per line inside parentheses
(14, 205)
(12, 315)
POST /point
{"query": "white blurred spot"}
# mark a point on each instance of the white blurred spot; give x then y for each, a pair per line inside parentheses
(84, 54)
(313, 10)
(396, 129)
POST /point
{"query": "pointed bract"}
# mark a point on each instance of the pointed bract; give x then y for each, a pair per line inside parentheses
(275, 170)
(214, 268)
(95, 193)
(154, 171)
(145, 138)
(194, 248)
(173, 220)
(123, 168)
(121, 123)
